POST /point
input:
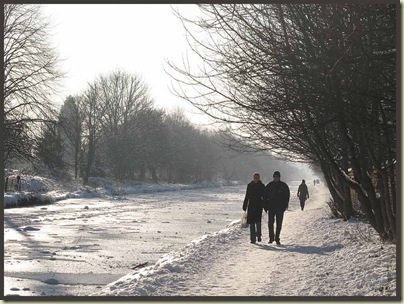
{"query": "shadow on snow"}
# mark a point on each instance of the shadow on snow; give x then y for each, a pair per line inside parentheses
(302, 248)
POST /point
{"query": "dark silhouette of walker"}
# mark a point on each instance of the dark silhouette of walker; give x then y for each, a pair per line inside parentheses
(303, 193)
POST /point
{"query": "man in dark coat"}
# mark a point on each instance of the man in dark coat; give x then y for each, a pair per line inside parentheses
(253, 203)
(276, 197)
(303, 193)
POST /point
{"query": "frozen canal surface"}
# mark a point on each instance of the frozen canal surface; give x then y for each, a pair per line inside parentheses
(84, 244)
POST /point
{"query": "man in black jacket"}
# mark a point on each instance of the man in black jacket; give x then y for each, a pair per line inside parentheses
(276, 196)
(253, 203)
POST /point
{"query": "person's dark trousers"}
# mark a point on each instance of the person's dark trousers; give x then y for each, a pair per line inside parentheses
(255, 231)
(302, 200)
(279, 219)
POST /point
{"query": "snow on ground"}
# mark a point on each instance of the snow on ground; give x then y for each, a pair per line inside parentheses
(83, 244)
(109, 187)
(194, 246)
(319, 256)
(38, 190)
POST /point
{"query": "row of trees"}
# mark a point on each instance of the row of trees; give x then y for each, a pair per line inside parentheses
(309, 82)
(112, 129)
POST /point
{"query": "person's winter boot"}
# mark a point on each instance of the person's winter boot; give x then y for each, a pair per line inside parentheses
(271, 241)
(278, 242)
(259, 239)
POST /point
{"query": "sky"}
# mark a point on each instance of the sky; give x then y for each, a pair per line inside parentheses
(94, 39)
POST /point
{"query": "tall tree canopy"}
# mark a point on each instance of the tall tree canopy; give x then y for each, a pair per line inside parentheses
(31, 75)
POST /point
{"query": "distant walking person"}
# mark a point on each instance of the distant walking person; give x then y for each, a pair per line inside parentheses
(253, 203)
(276, 197)
(303, 193)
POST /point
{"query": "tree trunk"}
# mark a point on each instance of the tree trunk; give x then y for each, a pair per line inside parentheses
(392, 183)
(345, 167)
(331, 187)
(6, 185)
(169, 175)
(391, 220)
(77, 148)
(90, 159)
(142, 173)
(383, 199)
(154, 174)
(76, 164)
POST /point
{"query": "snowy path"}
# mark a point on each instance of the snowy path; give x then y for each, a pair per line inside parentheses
(294, 268)
(319, 256)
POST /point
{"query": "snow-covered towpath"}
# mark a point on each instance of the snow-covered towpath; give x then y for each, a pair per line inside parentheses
(319, 256)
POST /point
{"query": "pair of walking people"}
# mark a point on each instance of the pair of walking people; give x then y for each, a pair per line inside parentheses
(273, 198)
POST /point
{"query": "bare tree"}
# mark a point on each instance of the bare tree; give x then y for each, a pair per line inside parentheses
(93, 111)
(110, 108)
(151, 142)
(31, 75)
(49, 150)
(126, 100)
(71, 124)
